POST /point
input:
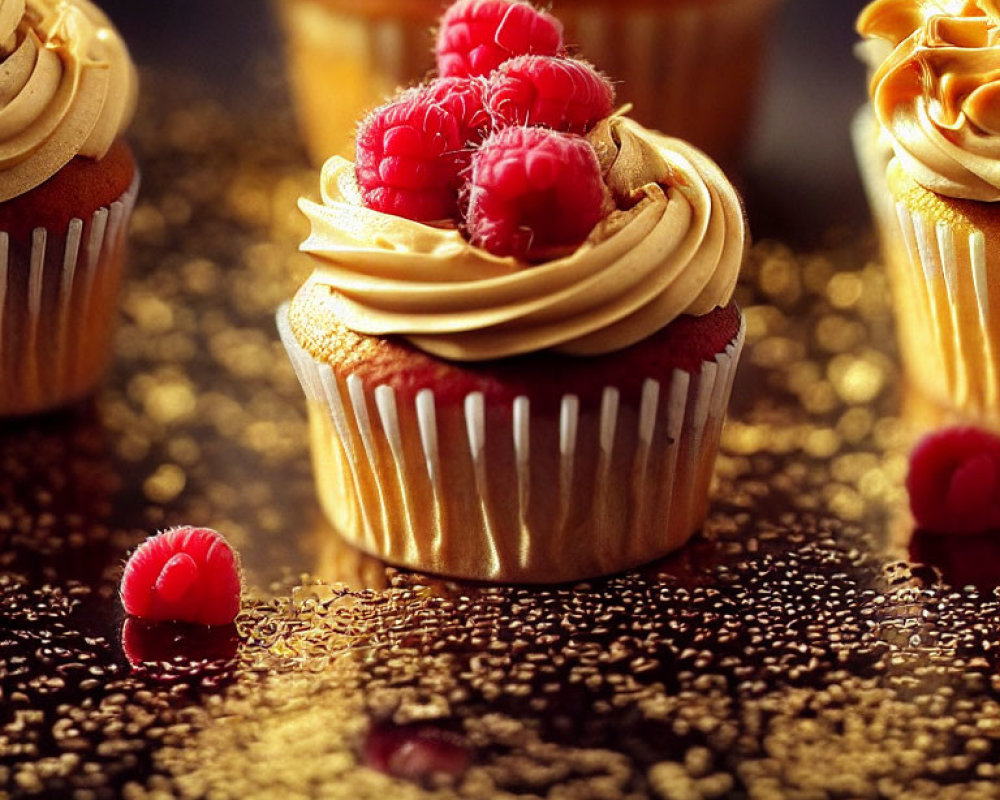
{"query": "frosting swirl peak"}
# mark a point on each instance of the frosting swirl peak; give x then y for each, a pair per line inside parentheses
(938, 93)
(67, 87)
(676, 249)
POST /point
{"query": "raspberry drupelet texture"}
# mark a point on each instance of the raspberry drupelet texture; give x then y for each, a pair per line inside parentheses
(954, 481)
(183, 575)
(534, 190)
(476, 36)
(409, 157)
(465, 99)
(559, 93)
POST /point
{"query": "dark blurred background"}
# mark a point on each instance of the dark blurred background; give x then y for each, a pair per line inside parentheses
(800, 178)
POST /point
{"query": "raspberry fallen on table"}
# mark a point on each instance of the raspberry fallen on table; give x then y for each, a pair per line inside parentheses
(183, 575)
(954, 481)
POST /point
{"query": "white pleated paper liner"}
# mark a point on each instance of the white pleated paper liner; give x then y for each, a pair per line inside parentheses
(58, 296)
(497, 492)
(691, 69)
(947, 301)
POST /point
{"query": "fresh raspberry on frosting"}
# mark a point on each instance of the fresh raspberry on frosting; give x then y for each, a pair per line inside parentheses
(409, 157)
(465, 98)
(183, 575)
(476, 36)
(534, 190)
(954, 481)
(560, 93)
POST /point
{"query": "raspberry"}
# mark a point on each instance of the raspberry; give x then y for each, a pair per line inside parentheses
(476, 36)
(970, 560)
(183, 575)
(409, 156)
(559, 93)
(534, 189)
(464, 98)
(954, 481)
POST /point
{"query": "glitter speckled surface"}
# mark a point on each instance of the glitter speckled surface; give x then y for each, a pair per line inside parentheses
(790, 652)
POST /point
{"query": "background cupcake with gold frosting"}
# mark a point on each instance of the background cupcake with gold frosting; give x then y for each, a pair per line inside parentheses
(67, 187)
(689, 67)
(507, 394)
(936, 97)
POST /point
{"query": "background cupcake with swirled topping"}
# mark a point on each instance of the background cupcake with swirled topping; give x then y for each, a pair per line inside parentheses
(67, 187)
(691, 68)
(936, 97)
(519, 342)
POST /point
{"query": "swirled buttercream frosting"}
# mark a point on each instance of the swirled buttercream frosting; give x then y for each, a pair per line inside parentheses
(67, 88)
(937, 94)
(674, 246)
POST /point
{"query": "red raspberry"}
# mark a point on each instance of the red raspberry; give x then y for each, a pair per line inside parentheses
(559, 93)
(954, 481)
(409, 155)
(183, 575)
(970, 560)
(533, 190)
(476, 36)
(465, 99)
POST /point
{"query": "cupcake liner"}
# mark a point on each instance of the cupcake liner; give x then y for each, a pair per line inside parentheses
(948, 327)
(57, 300)
(691, 69)
(343, 62)
(938, 271)
(498, 492)
(873, 154)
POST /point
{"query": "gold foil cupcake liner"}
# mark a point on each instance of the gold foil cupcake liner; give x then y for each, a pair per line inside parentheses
(57, 307)
(947, 310)
(499, 492)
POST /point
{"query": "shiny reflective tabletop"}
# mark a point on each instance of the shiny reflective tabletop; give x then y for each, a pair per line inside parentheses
(806, 645)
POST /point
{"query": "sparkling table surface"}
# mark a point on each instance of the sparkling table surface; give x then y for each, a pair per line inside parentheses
(807, 645)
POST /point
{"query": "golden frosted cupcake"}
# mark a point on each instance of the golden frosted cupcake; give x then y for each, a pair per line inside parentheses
(67, 187)
(936, 98)
(517, 358)
(347, 56)
(690, 67)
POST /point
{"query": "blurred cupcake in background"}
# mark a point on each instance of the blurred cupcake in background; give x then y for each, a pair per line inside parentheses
(872, 144)
(347, 56)
(936, 98)
(690, 68)
(67, 187)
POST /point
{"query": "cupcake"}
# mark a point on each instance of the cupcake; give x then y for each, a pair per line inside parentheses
(935, 97)
(517, 358)
(691, 67)
(67, 187)
(348, 56)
